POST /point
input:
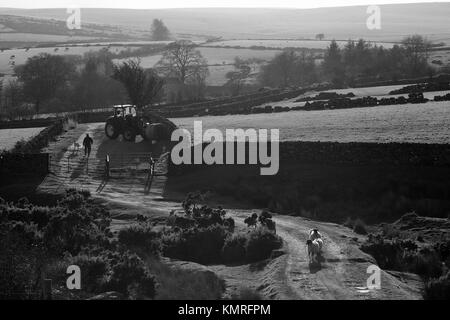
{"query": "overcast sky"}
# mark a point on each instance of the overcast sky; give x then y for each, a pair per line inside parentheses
(157, 4)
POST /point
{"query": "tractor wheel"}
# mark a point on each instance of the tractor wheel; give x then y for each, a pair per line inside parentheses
(129, 134)
(111, 130)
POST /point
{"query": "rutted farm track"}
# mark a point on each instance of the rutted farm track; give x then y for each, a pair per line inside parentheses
(342, 273)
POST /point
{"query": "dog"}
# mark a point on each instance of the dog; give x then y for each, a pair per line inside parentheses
(76, 147)
(314, 249)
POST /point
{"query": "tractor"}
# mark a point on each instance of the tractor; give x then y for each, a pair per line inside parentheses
(129, 122)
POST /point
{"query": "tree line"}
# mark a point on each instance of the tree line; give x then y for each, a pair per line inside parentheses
(56, 83)
(356, 62)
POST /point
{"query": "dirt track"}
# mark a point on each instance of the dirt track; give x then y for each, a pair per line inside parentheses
(342, 273)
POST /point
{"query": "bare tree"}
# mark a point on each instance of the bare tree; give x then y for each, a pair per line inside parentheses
(236, 78)
(141, 85)
(417, 52)
(182, 61)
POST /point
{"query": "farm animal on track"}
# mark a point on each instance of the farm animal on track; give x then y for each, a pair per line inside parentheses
(314, 234)
(314, 249)
(76, 147)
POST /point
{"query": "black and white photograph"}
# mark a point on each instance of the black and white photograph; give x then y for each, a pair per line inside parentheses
(224, 155)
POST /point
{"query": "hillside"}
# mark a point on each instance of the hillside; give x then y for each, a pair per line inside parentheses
(340, 23)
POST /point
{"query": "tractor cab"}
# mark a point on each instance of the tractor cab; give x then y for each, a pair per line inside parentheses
(124, 110)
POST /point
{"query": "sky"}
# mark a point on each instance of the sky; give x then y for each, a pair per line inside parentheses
(152, 4)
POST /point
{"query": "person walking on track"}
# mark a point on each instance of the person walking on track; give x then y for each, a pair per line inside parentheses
(87, 143)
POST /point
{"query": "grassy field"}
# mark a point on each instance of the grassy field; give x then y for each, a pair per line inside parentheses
(9, 137)
(14, 57)
(219, 60)
(424, 123)
(33, 37)
(280, 43)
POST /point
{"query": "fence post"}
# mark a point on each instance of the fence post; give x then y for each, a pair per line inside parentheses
(48, 163)
(152, 165)
(107, 166)
(47, 289)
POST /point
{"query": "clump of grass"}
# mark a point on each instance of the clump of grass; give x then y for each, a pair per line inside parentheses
(246, 293)
(69, 124)
(404, 255)
(348, 223)
(438, 289)
(179, 284)
(359, 227)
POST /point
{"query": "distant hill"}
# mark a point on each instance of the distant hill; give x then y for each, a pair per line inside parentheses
(431, 19)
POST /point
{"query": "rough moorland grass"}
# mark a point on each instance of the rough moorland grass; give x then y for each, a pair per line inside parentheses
(438, 289)
(36, 241)
(245, 293)
(179, 284)
(405, 255)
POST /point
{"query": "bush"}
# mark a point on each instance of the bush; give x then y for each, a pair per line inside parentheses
(202, 245)
(246, 294)
(359, 227)
(234, 248)
(403, 255)
(348, 223)
(425, 262)
(140, 238)
(93, 269)
(181, 284)
(201, 215)
(21, 259)
(129, 276)
(260, 244)
(438, 289)
(72, 230)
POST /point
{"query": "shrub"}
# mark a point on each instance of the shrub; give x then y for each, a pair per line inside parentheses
(425, 262)
(73, 200)
(201, 216)
(403, 255)
(130, 276)
(140, 238)
(93, 269)
(41, 215)
(246, 294)
(359, 227)
(181, 284)
(438, 289)
(21, 260)
(72, 230)
(252, 220)
(388, 254)
(234, 248)
(260, 244)
(202, 245)
(348, 223)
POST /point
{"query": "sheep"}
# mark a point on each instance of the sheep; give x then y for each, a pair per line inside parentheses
(314, 234)
(314, 249)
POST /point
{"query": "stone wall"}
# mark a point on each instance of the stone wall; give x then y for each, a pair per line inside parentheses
(355, 153)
